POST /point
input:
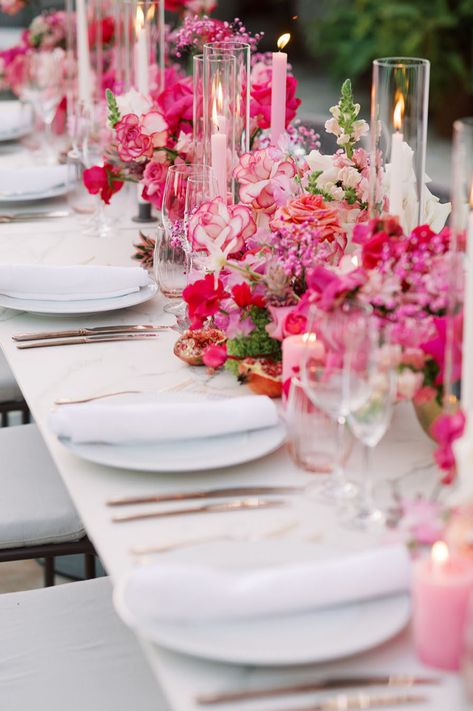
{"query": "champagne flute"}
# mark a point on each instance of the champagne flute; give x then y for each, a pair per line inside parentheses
(343, 331)
(371, 383)
(200, 188)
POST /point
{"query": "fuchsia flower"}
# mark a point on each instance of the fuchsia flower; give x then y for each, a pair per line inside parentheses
(262, 176)
(133, 144)
(203, 299)
(435, 348)
(446, 429)
(260, 104)
(176, 103)
(330, 288)
(221, 229)
(103, 181)
(215, 356)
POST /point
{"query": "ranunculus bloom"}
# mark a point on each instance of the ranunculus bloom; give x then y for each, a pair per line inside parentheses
(154, 179)
(133, 144)
(311, 209)
(176, 103)
(153, 124)
(216, 224)
(203, 299)
(262, 175)
(102, 180)
(260, 103)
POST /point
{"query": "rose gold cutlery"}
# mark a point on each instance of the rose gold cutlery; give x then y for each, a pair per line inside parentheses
(362, 701)
(206, 494)
(95, 330)
(27, 216)
(341, 682)
(228, 507)
(115, 338)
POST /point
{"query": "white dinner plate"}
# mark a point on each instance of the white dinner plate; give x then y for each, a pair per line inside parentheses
(31, 197)
(22, 123)
(78, 308)
(303, 638)
(184, 455)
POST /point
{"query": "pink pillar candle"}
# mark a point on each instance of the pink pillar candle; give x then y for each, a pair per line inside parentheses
(278, 96)
(443, 586)
(295, 349)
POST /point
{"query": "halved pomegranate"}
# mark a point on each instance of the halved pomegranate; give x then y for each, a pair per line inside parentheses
(191, 345)
(262, 375)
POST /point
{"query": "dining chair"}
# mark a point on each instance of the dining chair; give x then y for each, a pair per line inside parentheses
(11, 398)
(37, 516)
(65, 648)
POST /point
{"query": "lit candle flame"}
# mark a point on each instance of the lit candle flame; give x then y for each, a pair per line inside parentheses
(150, 13)
(440, 554)
(283, 40)
(140, 20)
(217, 105)
(398, 114)
(309, 338)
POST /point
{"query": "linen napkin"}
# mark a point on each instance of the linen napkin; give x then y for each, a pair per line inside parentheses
(180, 593)
(162, 421)
(75, 283)
(33, 180)
(15, 117)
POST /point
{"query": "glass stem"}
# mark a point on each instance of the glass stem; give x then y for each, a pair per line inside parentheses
(367, 501)
(338, 473)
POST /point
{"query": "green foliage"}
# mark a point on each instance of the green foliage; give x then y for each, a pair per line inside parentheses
(354, 32)
(113, 110)
(258, 343)
(313, 189)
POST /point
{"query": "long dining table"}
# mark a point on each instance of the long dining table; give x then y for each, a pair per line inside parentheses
(312, 529)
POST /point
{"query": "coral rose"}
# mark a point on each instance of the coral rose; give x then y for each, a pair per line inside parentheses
(133, 144)
(311, 209)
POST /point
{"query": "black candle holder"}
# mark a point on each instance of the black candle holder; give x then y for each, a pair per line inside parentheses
(144, 213)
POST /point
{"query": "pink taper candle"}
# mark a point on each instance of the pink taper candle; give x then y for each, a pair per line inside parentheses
(218, 145)
(278, 91)
(443, 586)
(295, 349)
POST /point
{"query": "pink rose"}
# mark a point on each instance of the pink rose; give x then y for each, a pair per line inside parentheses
(227, 226)
(262, 176)
(154, 125)
(176, 103)
(133, 144)
(260, 103)
(11, 7)
(154, 179)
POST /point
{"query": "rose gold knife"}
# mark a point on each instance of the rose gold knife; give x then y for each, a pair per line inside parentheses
(96, 330)
(206, 494)
(340, 682)
(228, 507)
(362, 701)
(89, 339)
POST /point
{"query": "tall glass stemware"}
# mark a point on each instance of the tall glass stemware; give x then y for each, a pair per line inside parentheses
(371, 385)
(343, 332)
(200, 188)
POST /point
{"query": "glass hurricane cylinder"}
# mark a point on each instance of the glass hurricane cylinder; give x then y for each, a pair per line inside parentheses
(144, 44)
(462, 229)
(399, 115)
(219, 100)
(198, 108)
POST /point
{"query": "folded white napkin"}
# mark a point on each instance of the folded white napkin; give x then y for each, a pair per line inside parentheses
(164, 421)
(193, 593)
(76, 283)
(32, 180)
(15, 116)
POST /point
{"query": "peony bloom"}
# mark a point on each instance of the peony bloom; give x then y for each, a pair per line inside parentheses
(154, 179)
(154, 125)
(260, 103)
(103, 181)
(221, 229)
(133, 144)
(311, 209)
(263, 175)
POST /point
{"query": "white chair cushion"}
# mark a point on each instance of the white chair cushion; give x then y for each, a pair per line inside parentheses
(35, 507)
(65, 648)
(9, 390)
